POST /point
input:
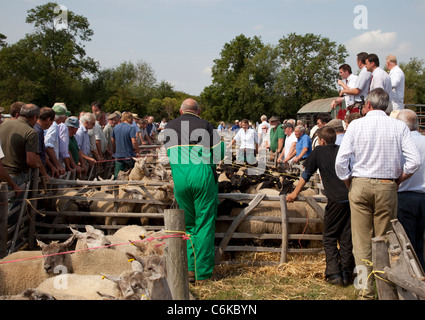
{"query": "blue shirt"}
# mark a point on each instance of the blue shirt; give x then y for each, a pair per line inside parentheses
(83, 139)
(303, 142)
(123, 133)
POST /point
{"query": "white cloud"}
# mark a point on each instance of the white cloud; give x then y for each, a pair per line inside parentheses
(381, 43)
(207, 71)
(259, 27)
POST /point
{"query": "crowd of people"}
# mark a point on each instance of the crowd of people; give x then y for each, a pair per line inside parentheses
(371, 163)
(51, 139)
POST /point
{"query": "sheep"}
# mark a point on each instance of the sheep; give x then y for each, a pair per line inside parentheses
(79, 287)
(15, 277)
(273, 209)
(127, 240)
(29, 294)
(99, 261)
(146, 281)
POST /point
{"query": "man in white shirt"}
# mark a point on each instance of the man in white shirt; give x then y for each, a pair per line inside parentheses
(247, 139)
(363, 81)
(348, 81)
(369, 161)
(263, 124)
(289, 151)
(380, 79)
(397, 83)
(411, 193)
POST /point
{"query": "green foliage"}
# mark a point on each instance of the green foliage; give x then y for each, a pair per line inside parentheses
(414, 72)
(48, 64)
(251, 79)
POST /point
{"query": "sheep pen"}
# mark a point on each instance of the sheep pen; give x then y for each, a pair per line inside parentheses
(109, 205)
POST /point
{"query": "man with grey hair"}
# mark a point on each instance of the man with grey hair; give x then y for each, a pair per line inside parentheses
(369, 161)
(411, 193)
(303, 146)
(194, 149)
(87, 122)
(397, 83)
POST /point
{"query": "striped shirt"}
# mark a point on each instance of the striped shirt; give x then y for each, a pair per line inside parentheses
(376, 145)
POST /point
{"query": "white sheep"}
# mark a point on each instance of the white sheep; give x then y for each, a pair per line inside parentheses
(146, 281)
(78, 287)
(15, 277)
(99, 261)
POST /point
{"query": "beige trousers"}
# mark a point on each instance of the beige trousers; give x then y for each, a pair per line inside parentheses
(373, 204)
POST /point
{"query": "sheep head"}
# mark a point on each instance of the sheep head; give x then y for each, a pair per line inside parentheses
(55, 256)
(92, 238)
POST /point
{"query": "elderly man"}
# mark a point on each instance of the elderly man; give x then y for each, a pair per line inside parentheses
(397, 83)
(194, 149)
(303, 147)
(289, 150)
(55, 141)
(369, 161)
(277, 137)
(87, 122)
(411, 193)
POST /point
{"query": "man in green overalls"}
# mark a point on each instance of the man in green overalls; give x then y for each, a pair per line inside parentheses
(194, 149)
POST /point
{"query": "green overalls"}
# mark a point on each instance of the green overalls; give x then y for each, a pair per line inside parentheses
(193, 157)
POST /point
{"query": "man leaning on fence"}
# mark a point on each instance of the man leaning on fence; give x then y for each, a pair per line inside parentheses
(19, 142)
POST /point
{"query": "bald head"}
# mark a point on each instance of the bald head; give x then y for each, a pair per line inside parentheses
(190, 105)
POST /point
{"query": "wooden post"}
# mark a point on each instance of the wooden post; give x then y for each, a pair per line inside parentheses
(4, 213)
(284, 213)
(380, 260)
(176, 254)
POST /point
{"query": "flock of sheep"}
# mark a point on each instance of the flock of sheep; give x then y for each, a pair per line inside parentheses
(130, 263)
(99, 267)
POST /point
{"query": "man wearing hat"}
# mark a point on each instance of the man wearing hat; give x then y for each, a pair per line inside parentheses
(277, 137)
(52, 139)
(73, 125)
(109, 128)
(289, 150)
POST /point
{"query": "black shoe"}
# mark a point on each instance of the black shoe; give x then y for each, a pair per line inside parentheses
(347, 278)
(335, 279)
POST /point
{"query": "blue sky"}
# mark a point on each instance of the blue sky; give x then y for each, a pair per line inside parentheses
(181, 38)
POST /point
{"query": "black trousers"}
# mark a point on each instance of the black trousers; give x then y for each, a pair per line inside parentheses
(337, 229)
(411, 214)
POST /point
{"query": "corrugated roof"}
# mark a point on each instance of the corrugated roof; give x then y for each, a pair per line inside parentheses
(316, 106)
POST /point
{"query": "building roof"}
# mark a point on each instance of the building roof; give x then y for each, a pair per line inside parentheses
(317, 106)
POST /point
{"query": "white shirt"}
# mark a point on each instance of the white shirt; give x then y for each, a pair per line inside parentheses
(376, 144)
(260, 127)
(363, 81)
(351, 82)
(416, 182)
(397, 84)
(381, 79)
(288, 143)
(246, 139)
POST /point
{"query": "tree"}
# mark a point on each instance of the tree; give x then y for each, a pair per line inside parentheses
(414, 72)
(227, 96)
(50, 60)
(309, 70)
